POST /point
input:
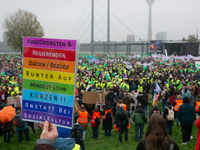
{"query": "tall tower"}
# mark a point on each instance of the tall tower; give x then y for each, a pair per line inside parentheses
(150, 3)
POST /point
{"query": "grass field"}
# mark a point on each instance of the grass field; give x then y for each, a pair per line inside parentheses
(102, 143)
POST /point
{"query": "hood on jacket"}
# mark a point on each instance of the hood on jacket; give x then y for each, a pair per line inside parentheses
(64, 143)
(139, 110)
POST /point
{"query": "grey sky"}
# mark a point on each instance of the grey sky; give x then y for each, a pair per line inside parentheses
(59, 18)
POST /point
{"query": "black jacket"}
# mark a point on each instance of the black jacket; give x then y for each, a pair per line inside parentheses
(141, 99)
(107, 124)
(155, 109)
(125, 121)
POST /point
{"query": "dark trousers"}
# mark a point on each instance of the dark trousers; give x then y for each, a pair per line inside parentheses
(121, 129)
(169, 126)
(186, 132)
(26, 132)
(107, 132)
(32, 127)
(5, 136)
(95, 132)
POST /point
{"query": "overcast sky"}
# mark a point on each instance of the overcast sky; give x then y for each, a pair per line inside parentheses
(66, 19)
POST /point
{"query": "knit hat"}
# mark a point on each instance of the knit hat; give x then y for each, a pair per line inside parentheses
(121, 105)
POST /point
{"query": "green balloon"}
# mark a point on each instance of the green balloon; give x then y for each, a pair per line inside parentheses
(97, 72)
(181, 71)
(160, 62)
(92, 82)
(189, 70)
(90, 68)
(20, 76)
(114, 74)
(172, 64)
(165, 60)
(88, 80)
(107, 77)
(83, 64)
(95, 65)
(105, 64)
(3, 73)
(109, 57)
(176, 63)
(191, 64)
(192, 67)
(192, 71)
(90, 63)
(197, 70)
(144, 68)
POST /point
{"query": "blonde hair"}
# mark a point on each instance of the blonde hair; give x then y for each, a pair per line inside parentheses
(155, 105)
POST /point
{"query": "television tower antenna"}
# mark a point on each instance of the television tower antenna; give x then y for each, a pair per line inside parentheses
(150, 3)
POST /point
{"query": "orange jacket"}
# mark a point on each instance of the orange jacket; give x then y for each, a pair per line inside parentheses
(124, 108)
(197, 106)
(178, 104)
(83, 117)
(106, 111)
(95, 115)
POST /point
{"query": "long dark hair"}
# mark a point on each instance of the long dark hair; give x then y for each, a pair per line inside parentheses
(156, 134)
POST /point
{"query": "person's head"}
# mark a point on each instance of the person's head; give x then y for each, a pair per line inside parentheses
(121, 106)
(96, 109)
(18, 111)
(186, 100)
(168, 102)
(126, 95)
(156, 133)
(139, 105)
(155, 105)
(82, 107)
(120, 101)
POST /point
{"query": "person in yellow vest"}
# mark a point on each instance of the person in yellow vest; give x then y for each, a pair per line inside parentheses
(94, 123)
(83, 117)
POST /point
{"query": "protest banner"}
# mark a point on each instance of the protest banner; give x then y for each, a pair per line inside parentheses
(197, 64)
(76, 106)
(100, 97)
(10, 101)
(89, 97)
(49, 80)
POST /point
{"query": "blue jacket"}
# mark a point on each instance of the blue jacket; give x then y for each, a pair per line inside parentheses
(186, 114)
(188, 94)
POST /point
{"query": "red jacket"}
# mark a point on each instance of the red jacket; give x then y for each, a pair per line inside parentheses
(2, 97)
(172, 100)
(197, 147)
(93, 116)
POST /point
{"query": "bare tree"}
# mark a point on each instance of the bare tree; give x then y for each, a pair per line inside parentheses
(191, 38)
(21, 23)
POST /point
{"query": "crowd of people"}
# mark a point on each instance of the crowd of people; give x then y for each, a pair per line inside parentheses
(130, 83)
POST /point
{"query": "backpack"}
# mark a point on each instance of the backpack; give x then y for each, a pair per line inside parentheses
(167, 95)
(196, 91)
(97, 120)
(108, 115)
(20, 123)
(76, 134)
(121, 116)
(170, 115)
